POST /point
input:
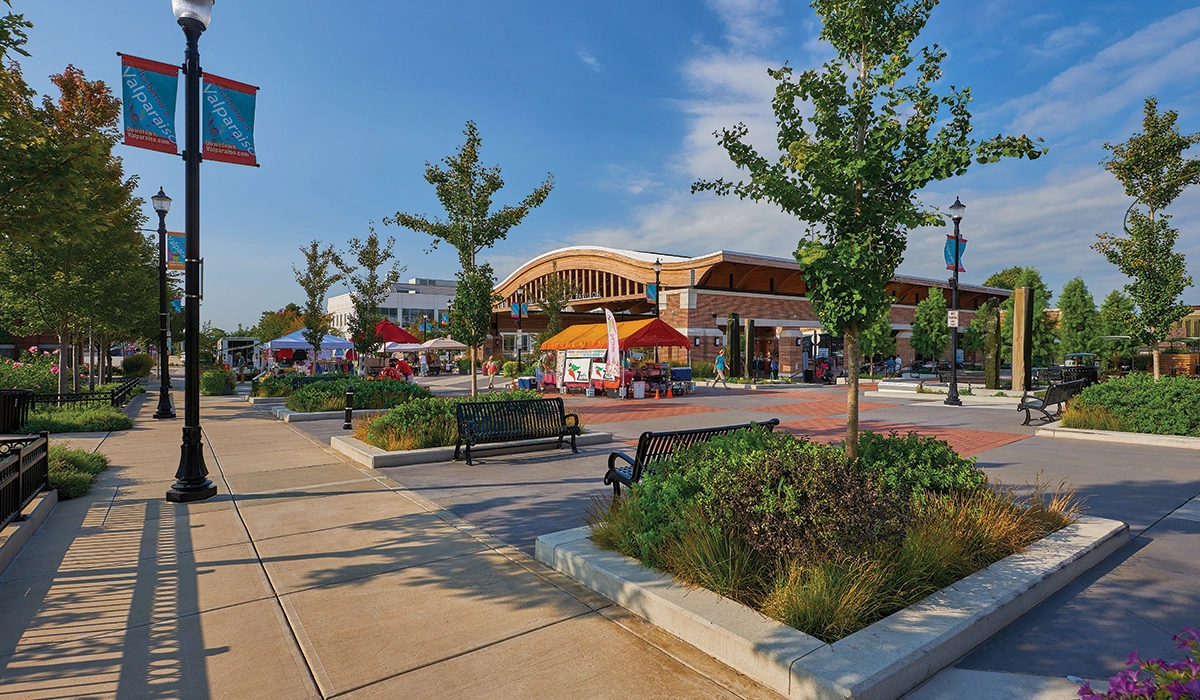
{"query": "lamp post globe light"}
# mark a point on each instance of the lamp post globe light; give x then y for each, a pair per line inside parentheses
(191, 479)
(520, 333)
(956, 214)
(162, 205)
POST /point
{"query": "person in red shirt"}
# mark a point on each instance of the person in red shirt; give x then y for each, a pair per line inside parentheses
(404, 369)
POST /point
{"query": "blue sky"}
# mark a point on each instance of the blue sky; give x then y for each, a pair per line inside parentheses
(619, 101)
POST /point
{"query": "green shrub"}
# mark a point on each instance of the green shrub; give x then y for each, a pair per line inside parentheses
(464, 366)
(375, 393)
(425, 421)
(137, 366)
(1170, 406)
(73, 420)
(272, 386)
(528, 368)
(703, 370)
(215, 381)
(913, 465)
(73, 472)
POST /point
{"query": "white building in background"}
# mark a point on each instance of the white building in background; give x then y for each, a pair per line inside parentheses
(408, 303)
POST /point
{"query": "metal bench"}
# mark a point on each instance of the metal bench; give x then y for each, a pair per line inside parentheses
(653, 447)
(965, 376)
(481, 422)
(1056, 396)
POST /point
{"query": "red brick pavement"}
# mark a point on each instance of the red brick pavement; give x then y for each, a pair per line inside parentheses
(818, 407)
(964, 441)
(624, 411)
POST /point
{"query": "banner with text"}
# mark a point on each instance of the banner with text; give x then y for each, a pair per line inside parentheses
(176, 251)
(229, 120)
(149, 89)
(948, 252)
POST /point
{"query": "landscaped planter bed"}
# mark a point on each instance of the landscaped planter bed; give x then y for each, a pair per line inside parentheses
(374, 457)
(1178, 441)
(883, 660)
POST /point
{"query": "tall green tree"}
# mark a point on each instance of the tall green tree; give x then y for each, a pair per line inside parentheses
(878, 338)
(1045, 330)
(465, 189)
(1117, 313)
(1151, 167)
(930, 335)
(370, 282)
(276, 324)
(1078, 320)
(1004, 279)
(319, 274)
(878, 133)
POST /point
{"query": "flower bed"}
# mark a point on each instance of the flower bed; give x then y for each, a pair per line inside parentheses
(368, 394)
(35, 370)
(790, 528)
(1156, 678)
(1138, 404)
(425, 422)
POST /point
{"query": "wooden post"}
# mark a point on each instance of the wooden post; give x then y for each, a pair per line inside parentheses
(1022, 350)
(991, 346)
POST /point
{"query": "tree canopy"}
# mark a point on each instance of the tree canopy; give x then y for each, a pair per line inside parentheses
(930, 335)
(1078, 321)
(318, 275)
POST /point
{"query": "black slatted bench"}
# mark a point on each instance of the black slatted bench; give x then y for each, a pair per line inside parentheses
(1056, 395)
(652, 447)
(481, 422)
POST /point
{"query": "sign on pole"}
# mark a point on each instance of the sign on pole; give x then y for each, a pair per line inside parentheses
(948, 252)
(149, 89)
(952, 319)
(176, 251)
(229, 120)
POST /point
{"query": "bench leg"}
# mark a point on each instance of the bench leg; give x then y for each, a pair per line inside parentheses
(1026, 417)
(616, 489)
(573, 448)
(457, 448)
(468, 453)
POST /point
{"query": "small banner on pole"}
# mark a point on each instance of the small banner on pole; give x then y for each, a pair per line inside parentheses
(652, 293)
(612, 366)
(948, 252)
(520, 311)
(229, 120)
(149, 89)
(176, 251)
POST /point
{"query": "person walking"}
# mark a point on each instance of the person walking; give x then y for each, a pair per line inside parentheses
(489, 368)
(720, 369)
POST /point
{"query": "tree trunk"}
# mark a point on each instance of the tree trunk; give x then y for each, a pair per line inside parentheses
(853, 357)
(1156, 351)
(76, 361)
(474, 378)
(62, 361)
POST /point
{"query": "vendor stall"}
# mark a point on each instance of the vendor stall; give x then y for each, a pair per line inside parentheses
(581, 352)
(292, 350)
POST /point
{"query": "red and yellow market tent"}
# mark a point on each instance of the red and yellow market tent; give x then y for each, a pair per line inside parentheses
(644, 333)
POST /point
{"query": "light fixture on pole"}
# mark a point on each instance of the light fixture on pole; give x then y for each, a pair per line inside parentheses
(162, 205)
(520, 335)
(657, 282)
(956, 213)
(191, 479)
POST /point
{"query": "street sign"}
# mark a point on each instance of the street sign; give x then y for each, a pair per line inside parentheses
(952, 318)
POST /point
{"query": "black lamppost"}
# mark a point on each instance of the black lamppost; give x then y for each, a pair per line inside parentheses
(956, 213)
(162, 205)
(657, 273)
(191, 479)
(520, 335)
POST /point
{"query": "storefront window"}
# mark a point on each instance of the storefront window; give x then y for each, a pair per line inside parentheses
(510, 343)
(411, 317)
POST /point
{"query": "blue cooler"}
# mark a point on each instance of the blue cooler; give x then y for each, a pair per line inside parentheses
(681, 374)
(527, 383)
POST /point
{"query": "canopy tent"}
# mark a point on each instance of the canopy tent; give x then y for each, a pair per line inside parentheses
(646, 333)
(443, 344)
(391, 333)
(403, 347)
(296, 341)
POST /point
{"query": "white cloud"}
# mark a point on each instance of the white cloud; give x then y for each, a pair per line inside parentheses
(1065, 39)
(1116, 77)
(748, 23)
(589, 60)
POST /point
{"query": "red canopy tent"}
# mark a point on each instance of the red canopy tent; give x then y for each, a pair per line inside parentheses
(391, 333)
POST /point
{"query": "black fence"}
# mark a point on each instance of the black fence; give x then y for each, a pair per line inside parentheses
(117, 397)
(14, 409)
(24, 472)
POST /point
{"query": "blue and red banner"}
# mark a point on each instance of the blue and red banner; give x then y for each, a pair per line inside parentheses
(176, 251)
(652, 293)
(948, 252)
(149, 89)
(229, 120)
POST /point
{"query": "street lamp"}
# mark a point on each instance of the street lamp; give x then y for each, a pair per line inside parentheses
(956, 213)
(657, 273)
(162, 205)
(191, 479)
(520, 335)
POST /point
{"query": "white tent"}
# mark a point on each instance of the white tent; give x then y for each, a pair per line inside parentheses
(444, 344)
(403, 347)
(296, 341)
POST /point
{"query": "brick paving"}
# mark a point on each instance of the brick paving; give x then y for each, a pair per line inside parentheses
(965, 441)
(624, 411)
(818, 408)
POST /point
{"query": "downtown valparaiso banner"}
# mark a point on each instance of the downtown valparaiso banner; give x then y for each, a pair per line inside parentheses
(229, 120)
(948, 252)
(149, 89)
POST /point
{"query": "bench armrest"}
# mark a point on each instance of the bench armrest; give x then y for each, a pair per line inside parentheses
(575, 417)
(612, 458)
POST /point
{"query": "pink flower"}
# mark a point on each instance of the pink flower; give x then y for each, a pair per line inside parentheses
(18, 364)
(54, 370)
(32, 349)
(47, 352)
(56, 351)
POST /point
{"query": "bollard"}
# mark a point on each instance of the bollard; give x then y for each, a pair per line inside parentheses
(349, 408)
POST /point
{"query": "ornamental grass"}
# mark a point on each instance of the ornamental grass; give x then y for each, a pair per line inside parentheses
(788, 527)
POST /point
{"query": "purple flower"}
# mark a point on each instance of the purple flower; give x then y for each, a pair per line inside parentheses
(1134, 659)
(1184, 691)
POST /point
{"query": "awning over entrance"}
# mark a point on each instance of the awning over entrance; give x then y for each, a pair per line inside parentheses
(646, 333)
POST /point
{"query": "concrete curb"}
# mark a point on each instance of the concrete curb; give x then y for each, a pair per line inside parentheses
(16, 535)
(373, 457)
(884, 660)
(265, 400)
(289, 416)
(1179, 441)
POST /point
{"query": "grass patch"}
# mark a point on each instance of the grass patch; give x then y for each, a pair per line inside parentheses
(790, 528)
(422, 422)
(77, 420)
(73, 472)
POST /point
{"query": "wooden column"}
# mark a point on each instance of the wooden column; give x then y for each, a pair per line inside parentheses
(1022, 350)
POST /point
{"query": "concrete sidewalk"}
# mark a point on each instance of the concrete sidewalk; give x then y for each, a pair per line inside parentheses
(305, 577)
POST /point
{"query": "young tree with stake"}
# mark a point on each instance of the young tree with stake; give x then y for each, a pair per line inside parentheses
(315, 280)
